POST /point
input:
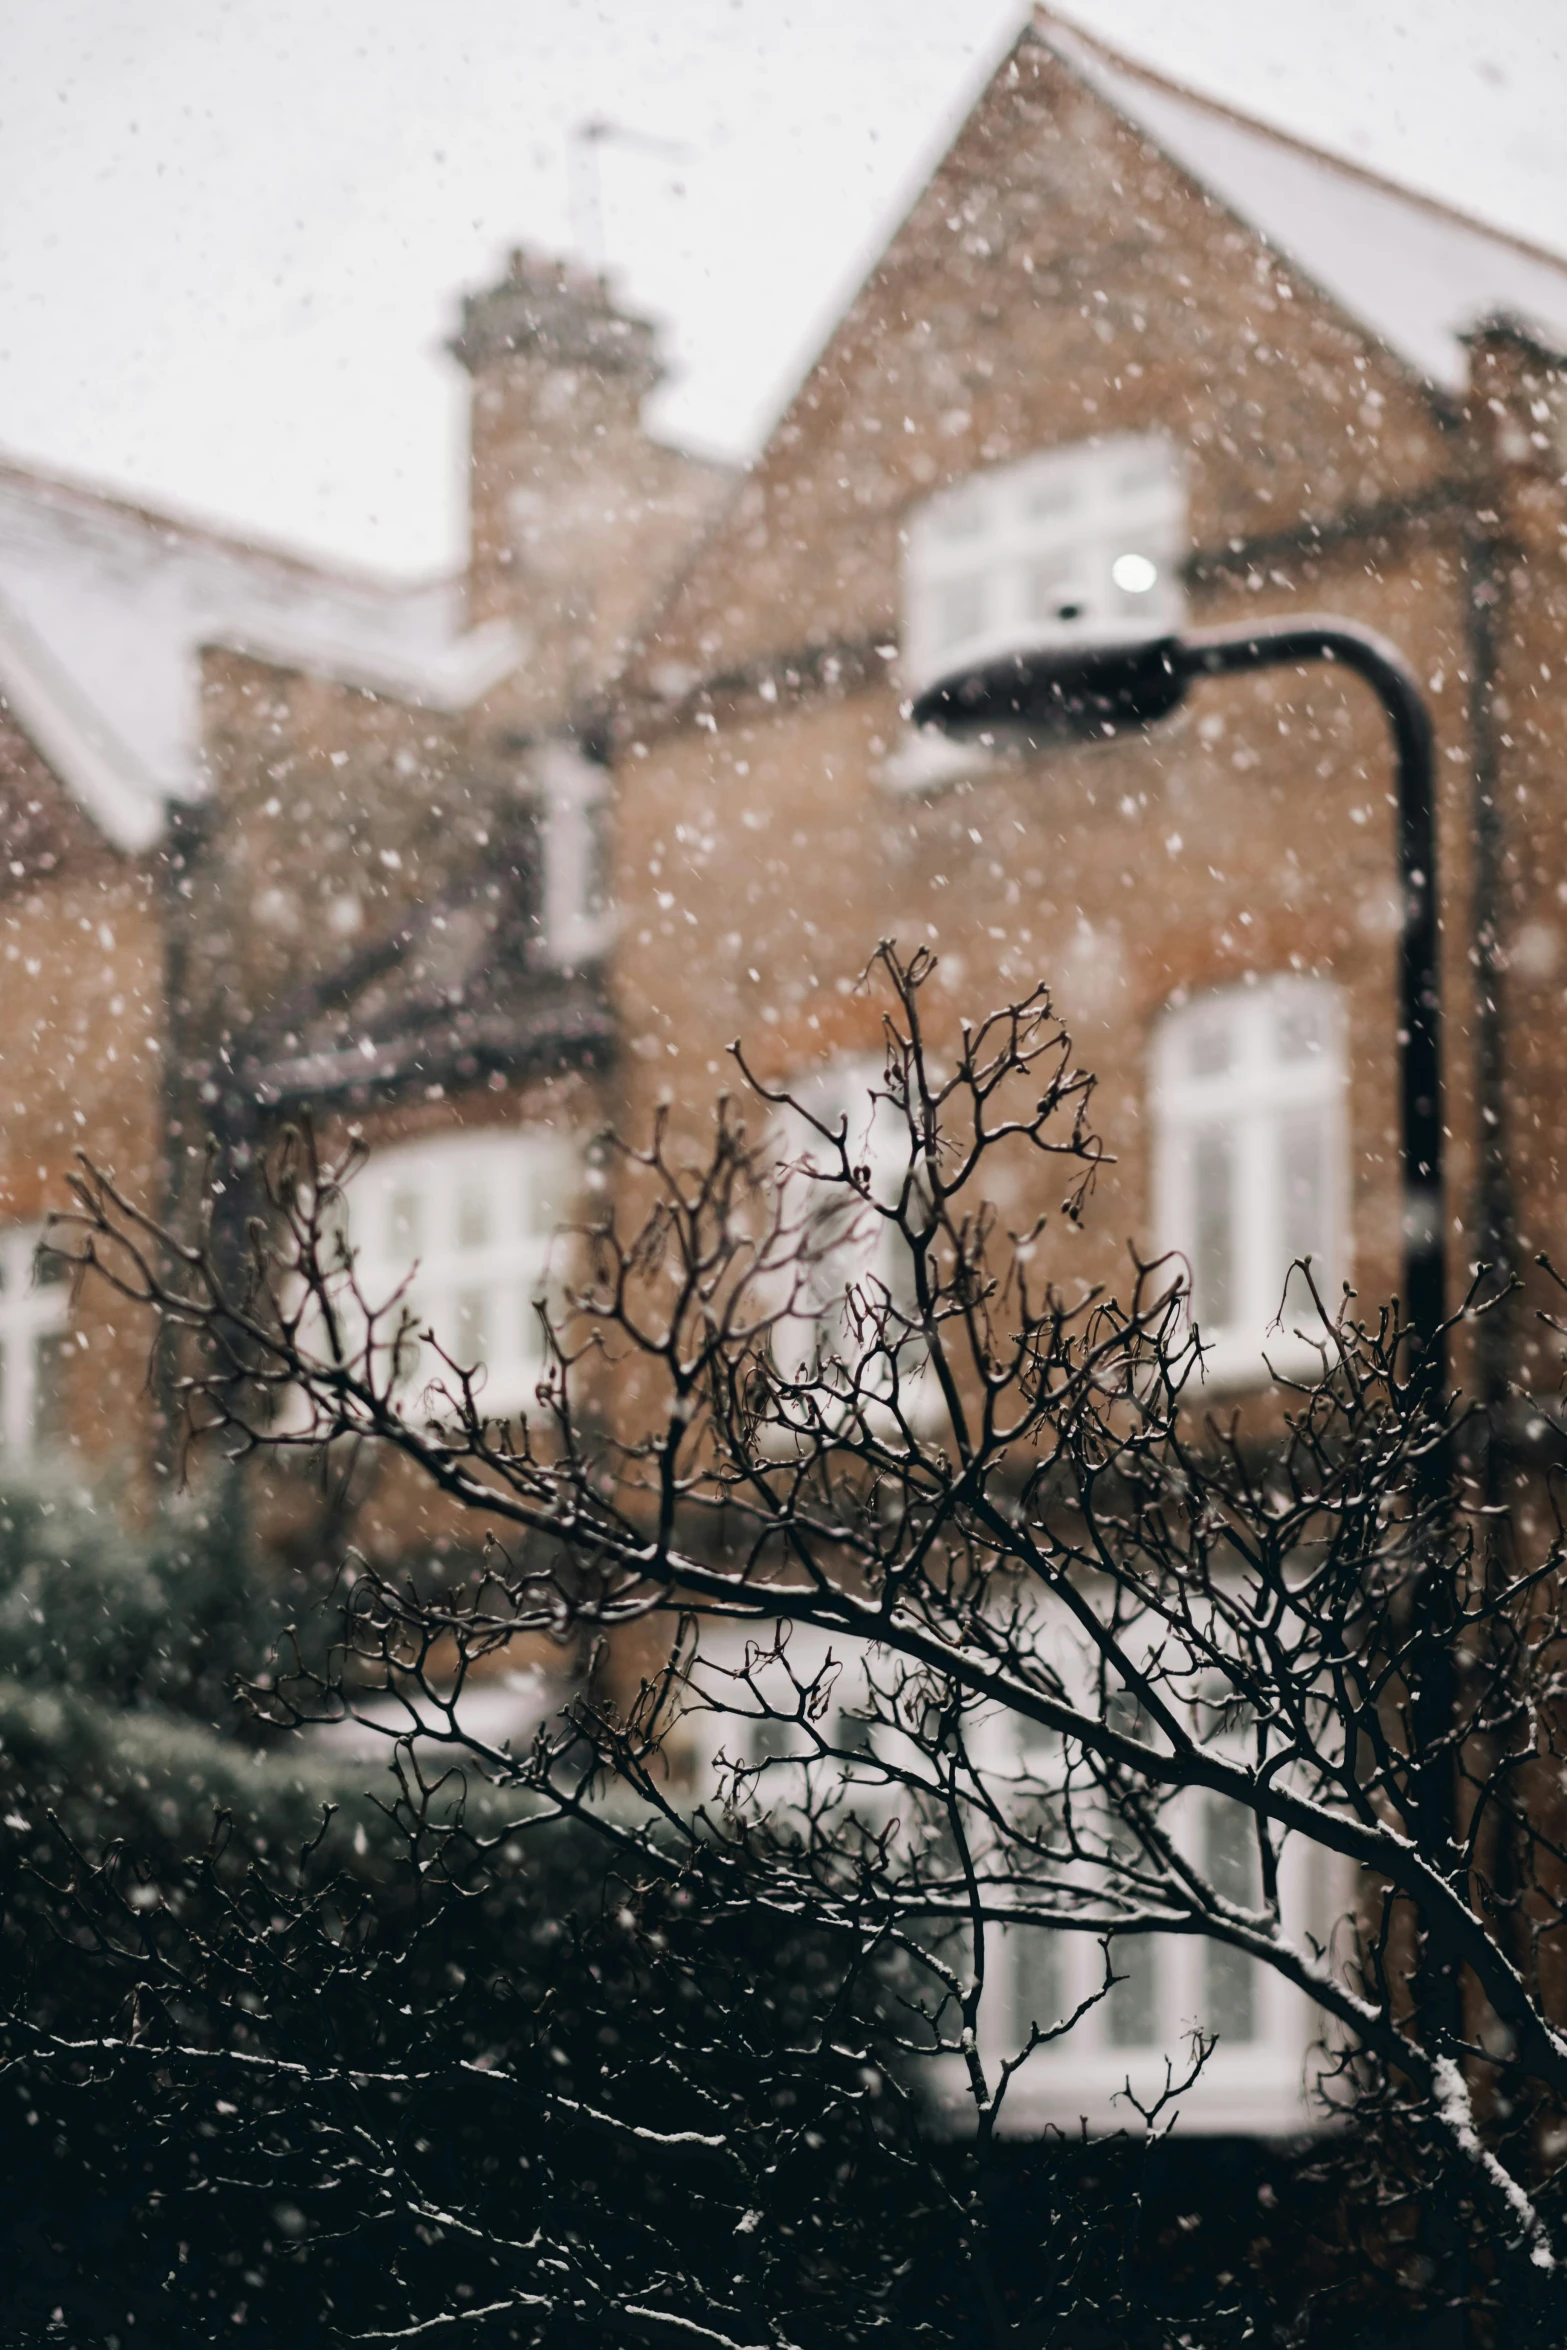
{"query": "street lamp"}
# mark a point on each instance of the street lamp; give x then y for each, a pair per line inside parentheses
(1091, 690)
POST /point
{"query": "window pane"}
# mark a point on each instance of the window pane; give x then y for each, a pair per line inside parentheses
(962, 517)
(471, 1343)
(772, 1740)
(473, 1217)
(1212, 1043)
(52, 1350)
(850, 1281)
(1304, 1210)
(1300, 1025)
(1230, 1981)
(894, 1268)
(960, 608)
(1303, 1177)
(595, 858)
(1214, 1284)
(405, 1369)
(49, 1271)
(831, 1221)
(334, 1241)
(1230, 1863)
(1143, 469)
(1124, 1715)
(1036, 1977)
(1132, 2010)
(1053, 594)
(851, 1733)
(407, 1236)
(1231, 1855)
(541, 1205)
(1056, 493)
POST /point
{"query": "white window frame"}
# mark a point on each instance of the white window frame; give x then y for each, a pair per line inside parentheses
(1249, 1108)
(1262, 2084)
(31, 1312)
(1077, 545)
(415, 1215)
(572, 792)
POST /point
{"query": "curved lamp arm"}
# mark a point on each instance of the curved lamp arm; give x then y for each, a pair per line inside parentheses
(1090, 690)
(1222, 652)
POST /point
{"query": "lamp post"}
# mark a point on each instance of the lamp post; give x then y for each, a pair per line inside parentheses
(1089, 691)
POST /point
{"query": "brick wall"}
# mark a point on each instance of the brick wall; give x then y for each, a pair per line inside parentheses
(82, 1055)
(1060, 279)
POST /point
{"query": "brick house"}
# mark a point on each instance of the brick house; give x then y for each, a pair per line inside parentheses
(284, 840)
(362, 874)
(103, 610)
(1126, 354)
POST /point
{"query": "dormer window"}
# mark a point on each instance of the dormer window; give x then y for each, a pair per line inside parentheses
(1082, 544)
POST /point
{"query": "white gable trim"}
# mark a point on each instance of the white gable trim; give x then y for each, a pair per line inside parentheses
(102, 774)
(1406, 269)
(452, 678)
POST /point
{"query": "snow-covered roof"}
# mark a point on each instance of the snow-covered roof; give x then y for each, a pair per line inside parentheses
(103, 610)
(1419, 276)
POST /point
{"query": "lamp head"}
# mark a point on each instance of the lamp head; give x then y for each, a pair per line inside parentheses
(1080, 691)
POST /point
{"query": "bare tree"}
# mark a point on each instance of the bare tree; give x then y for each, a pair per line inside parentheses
(965, 1598)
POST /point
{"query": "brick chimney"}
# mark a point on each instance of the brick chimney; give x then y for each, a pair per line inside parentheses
(578, 516)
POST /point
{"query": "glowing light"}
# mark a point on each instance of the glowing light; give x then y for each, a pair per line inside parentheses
(1134, 574)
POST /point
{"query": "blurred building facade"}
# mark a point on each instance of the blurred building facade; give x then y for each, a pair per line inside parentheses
(486, 871)
(283, 841)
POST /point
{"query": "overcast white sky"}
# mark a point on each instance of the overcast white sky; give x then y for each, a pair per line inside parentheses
(232, 232)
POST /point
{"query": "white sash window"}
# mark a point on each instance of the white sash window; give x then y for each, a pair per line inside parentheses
(1249, 1173)
(1075, 545)
(1258, 2076)
(34, 1336)
(466, 1221)
(845, 1258)
(1168, 1986)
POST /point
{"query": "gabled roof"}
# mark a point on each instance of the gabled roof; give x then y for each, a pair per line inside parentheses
(104, 607)
(1417, 274)
(800, 571)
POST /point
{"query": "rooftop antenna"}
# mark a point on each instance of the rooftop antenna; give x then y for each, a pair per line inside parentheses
(584, 178)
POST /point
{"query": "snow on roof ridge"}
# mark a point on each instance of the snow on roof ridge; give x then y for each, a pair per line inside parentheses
(1048, 24)
(122, 506)
(102, 773)
(104, 603)
(1421, 276)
